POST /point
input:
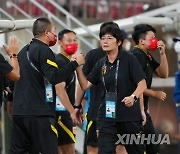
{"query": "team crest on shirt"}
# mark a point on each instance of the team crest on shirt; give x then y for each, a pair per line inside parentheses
(104, 70)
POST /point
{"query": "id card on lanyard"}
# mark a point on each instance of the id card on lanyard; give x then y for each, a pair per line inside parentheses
(110, 101)
(111, 97)
(59, 105)
(49, 93)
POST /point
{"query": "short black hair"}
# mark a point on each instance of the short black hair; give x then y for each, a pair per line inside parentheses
(64, 31)
(41, 25)
(114, 31)
(108, 23)
(140, 31)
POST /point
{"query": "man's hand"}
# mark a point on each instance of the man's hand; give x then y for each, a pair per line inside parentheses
(13, 47)
(79, 115)
(75, 119)
(79, 57)
(160, 95)
(161, 47)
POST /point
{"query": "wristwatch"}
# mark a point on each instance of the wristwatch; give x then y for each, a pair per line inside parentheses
(77, 107)
(135, 98)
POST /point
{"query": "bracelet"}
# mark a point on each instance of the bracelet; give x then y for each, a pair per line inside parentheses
(13, 56)
(78, 107)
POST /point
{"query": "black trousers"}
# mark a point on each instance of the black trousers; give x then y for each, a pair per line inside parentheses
(108, 136)
(33, 135)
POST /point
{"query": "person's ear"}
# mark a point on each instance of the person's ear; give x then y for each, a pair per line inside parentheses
(141, 41)
(60, 43)
(119, 43)
(46, 32)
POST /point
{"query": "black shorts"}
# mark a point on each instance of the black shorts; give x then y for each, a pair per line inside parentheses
(66, 132)
(107, 139)
(90, 134)
(149, 129)
(33, 135)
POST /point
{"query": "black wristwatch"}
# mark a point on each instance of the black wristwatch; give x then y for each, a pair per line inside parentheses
(135, 98)
(77, 107)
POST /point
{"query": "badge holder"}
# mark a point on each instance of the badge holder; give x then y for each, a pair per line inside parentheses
(49, 93)
(59, 105)
(110, 101)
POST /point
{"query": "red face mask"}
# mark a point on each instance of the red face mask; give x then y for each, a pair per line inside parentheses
(53, 42)
(71, 48)
(153, 44)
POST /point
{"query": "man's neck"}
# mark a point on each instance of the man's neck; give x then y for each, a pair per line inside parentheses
(42, 39)
(65, 54)
(143, 48)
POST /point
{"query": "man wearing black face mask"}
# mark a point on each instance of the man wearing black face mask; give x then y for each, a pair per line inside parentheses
(33, 117)
(68, 46)
(144, 37)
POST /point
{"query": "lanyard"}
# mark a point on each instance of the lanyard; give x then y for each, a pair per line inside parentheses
(116, 77)
(32, 65)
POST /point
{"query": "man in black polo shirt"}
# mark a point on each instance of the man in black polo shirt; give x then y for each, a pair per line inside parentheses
(10, 71)
(67, 41)
(33, 117)
(144, 37)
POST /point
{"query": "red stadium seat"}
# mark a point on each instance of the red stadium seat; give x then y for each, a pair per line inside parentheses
(50, 7)
(115, 9)
(91, 8)
(22, 4)
(129, 10)
(35, 11)
(139, 8)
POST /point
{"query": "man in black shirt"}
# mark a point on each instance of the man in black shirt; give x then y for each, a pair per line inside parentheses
(123, 83)
(33, 117)
(144, 37)
(10, 71)
(66, 139)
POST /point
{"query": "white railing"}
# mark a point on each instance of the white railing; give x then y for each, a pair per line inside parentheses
(90, 45)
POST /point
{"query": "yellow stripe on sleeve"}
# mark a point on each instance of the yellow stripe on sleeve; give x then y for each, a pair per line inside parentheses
(52, 63)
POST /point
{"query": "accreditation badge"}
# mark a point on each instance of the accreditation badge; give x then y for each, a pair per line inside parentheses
(59, 105)
(110, 102)
(49, 93)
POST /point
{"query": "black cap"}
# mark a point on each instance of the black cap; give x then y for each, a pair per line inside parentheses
(177, 38)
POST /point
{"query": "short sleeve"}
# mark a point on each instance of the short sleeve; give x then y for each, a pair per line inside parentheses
(136, 70)
(154, 64)
(141, 59)
(87, 66)
(96, 74)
